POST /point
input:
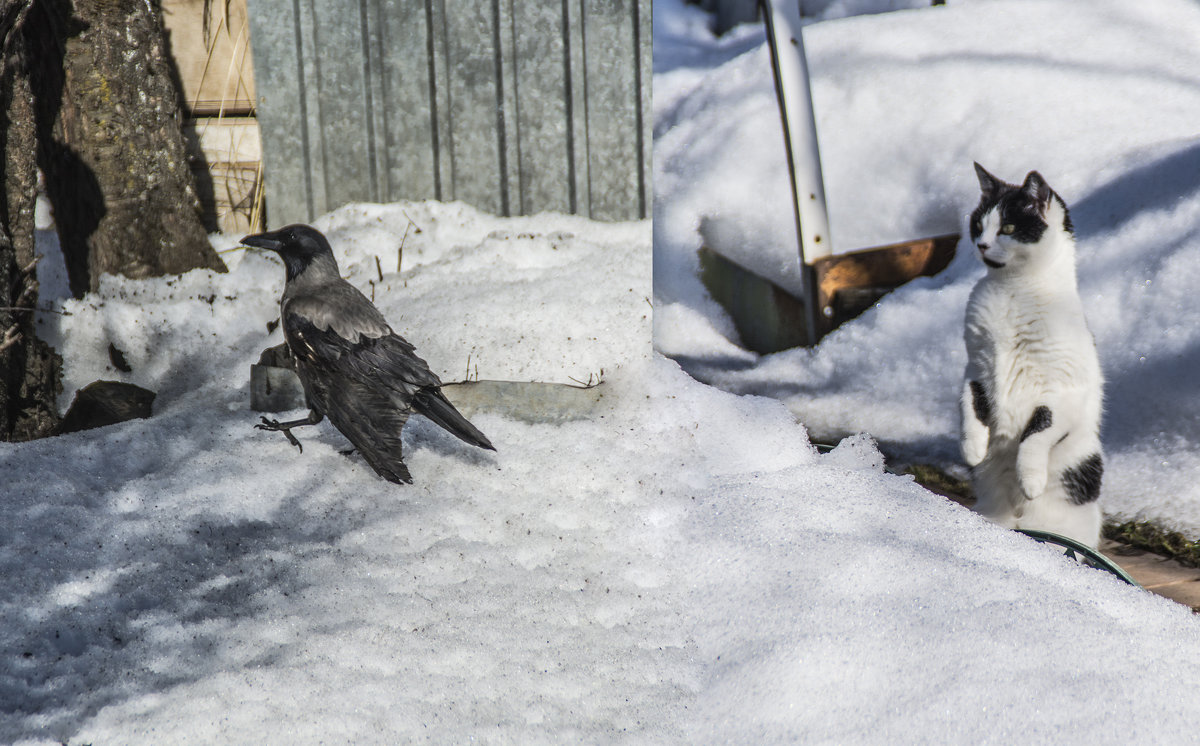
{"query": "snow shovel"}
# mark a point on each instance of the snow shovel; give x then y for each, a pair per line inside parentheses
(835, 288)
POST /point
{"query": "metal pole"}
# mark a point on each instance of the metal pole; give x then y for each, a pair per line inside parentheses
(790, 70)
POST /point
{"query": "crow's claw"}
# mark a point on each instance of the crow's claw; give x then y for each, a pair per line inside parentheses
(276, 426)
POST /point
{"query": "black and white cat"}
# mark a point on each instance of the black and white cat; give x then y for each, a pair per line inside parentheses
(1032, 399)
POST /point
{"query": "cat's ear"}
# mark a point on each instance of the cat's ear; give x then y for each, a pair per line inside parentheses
(1037, 190)
(988, 184)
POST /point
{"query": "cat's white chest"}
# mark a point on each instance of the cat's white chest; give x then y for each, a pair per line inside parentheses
(1027, 346)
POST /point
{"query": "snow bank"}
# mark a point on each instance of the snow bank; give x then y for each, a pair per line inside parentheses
(1102, 98)
(681, 568)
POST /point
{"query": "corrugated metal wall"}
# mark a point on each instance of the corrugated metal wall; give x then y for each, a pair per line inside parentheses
(513, 106)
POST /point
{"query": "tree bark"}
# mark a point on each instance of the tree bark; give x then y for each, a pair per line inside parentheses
(30, 370)
(111, 143)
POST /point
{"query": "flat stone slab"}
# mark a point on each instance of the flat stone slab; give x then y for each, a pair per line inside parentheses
(1155, 573)
(274, 388)
(537, 403)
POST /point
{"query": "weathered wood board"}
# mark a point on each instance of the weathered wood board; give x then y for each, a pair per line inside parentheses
(213, 59)
(226, 155)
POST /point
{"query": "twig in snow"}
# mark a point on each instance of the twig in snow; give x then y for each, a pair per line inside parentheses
(400, 251)
(592, 382)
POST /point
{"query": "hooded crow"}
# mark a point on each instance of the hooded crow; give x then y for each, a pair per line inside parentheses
(366, 378)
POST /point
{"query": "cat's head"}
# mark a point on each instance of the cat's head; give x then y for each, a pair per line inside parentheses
(1018, 227)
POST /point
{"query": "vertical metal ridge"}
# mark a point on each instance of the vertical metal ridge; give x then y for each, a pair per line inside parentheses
(639, 114)
(449, 104)
(433, 104)
(304, 136)
(587, 104)
(321, 124)
(385, 152)
(570, 104)
(522, 187)
(368, 100)
(501, 135)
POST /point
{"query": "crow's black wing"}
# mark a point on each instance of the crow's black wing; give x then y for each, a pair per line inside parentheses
(338, 384)
(372, 422)
(368, 387)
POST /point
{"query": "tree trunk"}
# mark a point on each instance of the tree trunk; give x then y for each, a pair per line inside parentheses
(30, 370)
(111, 143)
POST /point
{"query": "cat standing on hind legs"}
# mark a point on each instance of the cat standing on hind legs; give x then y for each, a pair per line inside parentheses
(1032, 398)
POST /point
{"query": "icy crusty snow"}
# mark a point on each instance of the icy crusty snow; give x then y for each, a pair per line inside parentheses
(1103, 98)
(683, 568)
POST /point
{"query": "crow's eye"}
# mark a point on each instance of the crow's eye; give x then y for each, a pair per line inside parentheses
(1007, 229)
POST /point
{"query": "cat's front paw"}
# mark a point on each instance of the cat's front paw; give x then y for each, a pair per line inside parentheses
(973, 451)
(1033, 483)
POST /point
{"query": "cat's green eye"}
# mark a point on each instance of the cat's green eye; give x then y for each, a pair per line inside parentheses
(1007, 229)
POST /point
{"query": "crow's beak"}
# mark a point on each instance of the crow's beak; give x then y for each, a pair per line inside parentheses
(267, 241)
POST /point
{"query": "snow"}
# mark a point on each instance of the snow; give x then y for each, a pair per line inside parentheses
(1101, 98)
(683, 567)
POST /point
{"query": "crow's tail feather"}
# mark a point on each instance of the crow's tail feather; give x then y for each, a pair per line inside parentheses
(434, 405)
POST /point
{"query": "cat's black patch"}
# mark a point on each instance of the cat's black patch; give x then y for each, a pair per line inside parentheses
(1068, 226)
(1022, 207)
(981, 403)
(1040, 420)
(985, 205)
(1082, 482)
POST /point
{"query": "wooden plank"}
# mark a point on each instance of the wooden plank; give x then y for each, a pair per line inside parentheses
(1157, 574)
(226, 156)
(230, 140)
(1160, 575)
(767, 317)
(850, 283)
(215, 68)
(887, 266)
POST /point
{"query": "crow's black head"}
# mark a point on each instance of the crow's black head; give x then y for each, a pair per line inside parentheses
(298, 245)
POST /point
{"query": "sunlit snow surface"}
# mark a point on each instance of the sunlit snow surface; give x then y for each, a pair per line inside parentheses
(681, 568)
(1103, 98)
